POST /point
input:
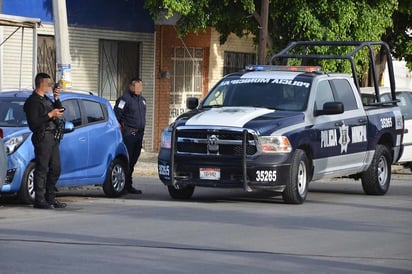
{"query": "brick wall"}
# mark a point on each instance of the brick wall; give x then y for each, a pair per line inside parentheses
(166, 40)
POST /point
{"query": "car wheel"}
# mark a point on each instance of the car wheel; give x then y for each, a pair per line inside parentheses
(26, 192)
(181, 193)
(297, 189)
(115, 179)
(376, 179)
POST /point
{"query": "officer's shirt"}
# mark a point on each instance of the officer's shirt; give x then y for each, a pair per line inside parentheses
(130, 110)
(36, 108)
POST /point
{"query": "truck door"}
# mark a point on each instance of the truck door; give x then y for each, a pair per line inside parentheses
(354, 131)
(326, 148)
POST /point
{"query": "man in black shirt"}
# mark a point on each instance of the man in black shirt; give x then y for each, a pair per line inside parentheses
(130, 109)
(41, 113)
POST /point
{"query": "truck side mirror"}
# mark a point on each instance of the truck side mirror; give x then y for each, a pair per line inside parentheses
(330, 108)
(192, 103)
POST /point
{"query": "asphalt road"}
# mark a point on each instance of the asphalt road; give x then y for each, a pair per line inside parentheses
(337, 230)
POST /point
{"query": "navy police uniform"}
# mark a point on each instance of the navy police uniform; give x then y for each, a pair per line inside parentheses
(46, 146)
(130, 110)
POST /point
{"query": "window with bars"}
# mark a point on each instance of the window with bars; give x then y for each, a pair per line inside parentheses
(186, 76)
(236, 61)
(119, 62)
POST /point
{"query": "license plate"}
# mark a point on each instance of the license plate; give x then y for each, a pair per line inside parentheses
(209, 173)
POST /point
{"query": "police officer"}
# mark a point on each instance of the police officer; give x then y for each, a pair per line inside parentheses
(130, 109)
(41, 113)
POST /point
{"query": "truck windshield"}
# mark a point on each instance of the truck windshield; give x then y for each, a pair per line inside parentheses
(279, 94)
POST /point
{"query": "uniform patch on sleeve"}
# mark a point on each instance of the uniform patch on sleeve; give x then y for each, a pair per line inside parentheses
(121, 104)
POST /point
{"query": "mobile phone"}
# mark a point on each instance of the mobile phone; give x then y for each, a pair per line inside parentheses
(62, 109)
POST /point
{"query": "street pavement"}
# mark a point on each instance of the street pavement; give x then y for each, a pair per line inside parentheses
(337, 230)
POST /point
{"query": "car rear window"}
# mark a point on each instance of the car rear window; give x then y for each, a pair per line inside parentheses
(12, 113)
(94, 111)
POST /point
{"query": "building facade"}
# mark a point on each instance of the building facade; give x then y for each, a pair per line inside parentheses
(113, 41)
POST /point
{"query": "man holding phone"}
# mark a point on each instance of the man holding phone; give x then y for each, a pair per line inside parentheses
(41, 113)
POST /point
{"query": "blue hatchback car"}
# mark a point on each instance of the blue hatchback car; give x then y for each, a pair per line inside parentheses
(92, 150)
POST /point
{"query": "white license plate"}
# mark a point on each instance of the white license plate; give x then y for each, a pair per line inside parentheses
(209, 173)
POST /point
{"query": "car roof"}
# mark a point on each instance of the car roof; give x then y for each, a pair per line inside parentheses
(64, 95)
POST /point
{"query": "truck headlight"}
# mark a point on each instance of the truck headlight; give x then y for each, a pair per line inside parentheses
(166, 138)
(274, 144)
(14, 143)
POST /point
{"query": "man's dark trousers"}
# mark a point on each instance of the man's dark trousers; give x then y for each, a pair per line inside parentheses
(133, 142)
(48, 168)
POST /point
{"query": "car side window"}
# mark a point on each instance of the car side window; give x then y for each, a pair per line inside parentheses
(324, 94)
(72, 112)
(345, 94)
(94, 111)
(404, 104)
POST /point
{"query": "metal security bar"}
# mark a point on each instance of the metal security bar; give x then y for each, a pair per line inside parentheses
(358, 46)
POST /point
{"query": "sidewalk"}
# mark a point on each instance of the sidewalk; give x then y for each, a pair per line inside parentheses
(146, 165)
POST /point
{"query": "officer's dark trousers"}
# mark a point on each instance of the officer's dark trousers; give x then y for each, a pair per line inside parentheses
(48, 168)
(133, 142)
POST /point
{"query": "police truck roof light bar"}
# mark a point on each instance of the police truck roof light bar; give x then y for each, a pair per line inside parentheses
(282, 68)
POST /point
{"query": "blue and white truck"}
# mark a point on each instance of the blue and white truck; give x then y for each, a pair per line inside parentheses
(277, 128)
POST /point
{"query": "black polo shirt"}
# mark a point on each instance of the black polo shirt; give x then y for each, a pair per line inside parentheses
(130, 110)
(36, 108)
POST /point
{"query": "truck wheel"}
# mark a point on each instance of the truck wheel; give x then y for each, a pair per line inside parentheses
(376, 179)
(26, 192)
(181, 193)
(115, 179)
(297, 189)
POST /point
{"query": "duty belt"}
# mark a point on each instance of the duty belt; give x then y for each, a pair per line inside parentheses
(133, 130)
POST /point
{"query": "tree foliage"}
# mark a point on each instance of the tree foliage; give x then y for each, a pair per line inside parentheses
(335, 20)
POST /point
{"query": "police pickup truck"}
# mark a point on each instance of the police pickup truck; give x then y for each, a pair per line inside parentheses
(278, 128)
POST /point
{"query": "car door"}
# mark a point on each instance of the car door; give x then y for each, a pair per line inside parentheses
(99, 136)
(405, 103)
(74, 146)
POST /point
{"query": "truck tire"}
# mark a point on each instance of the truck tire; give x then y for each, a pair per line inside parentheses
(297, 189)
(376, 179)
(181, 193)
(26, 192)
(115, 178)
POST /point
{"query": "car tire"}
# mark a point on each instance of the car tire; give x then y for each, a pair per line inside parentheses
(181, 193)
(26, 192)
(297, 189)
(376, 179)
(115, 178)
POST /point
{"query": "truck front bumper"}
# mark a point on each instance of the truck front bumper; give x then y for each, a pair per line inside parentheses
(268, 172)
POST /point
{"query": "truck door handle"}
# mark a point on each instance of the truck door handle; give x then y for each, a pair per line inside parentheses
(339, 123)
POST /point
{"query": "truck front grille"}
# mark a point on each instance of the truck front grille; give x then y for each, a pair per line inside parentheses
(213, 141)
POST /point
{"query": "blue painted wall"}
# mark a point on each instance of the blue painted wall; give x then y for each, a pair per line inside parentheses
(124, 15)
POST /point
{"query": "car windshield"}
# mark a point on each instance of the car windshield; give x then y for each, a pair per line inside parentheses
(12, 113)
(279, 94)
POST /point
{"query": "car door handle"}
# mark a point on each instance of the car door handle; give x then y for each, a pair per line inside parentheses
(362, 121)
(339, 123)
(82, 139)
